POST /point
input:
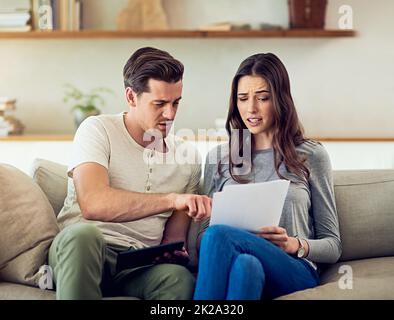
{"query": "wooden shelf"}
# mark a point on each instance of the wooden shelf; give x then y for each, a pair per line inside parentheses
(97, 34)
(37, 137)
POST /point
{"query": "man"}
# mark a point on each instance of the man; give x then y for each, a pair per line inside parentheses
(127, 192)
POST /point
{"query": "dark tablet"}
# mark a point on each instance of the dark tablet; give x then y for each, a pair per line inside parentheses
(142, 257)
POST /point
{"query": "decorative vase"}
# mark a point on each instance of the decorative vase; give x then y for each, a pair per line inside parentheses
(143, 15)
(307, 14)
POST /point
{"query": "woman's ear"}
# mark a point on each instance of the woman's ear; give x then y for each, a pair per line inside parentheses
(131, 97)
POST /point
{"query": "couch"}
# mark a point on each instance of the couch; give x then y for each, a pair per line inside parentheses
(365, 204)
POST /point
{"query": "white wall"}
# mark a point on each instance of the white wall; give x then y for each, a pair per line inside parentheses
(342, 86)
(343, 155)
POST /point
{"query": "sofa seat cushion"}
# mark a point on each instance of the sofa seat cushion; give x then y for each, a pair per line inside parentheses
(12, 291)
(372, 279)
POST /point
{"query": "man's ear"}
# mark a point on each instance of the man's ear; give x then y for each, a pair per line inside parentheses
(131, 97)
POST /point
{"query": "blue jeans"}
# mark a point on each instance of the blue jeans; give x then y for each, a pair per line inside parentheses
(238, 265)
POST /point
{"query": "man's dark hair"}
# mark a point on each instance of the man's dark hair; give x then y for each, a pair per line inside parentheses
(150, 63)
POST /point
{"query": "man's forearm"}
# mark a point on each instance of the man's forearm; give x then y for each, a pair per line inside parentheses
(116, 205)
(177, 227)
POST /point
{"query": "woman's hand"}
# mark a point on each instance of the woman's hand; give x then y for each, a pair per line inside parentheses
(279, 237)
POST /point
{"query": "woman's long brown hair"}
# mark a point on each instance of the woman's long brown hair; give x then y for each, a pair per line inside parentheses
(287, 130)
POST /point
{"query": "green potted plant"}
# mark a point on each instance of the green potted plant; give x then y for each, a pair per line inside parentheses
(85, 104)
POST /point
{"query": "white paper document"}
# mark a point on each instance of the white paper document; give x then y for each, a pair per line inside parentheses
(250, 206)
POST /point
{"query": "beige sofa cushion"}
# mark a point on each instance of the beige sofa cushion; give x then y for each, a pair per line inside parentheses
(27, 227)
(372, 279)
(365, 204)
(12, 291)
(52, 179)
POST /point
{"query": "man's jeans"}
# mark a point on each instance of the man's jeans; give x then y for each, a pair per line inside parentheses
(238, 265)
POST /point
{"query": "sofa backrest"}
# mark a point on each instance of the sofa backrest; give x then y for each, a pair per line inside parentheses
(365, 205)
(364, 199)
(52, 178)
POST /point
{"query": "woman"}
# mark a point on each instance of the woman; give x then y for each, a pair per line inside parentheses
(278, 260)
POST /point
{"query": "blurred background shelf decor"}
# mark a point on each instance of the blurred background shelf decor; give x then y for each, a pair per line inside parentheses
(159, 18)
(84, 105)
(143, 15)
(307, 14)
(63, 15)
(15, 19)
(341, 73)
(9, 125)
(40, 15)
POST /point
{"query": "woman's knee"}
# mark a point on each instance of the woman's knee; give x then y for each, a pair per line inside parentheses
(248, 262)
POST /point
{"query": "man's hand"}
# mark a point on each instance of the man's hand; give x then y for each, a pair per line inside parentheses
(177, 257)
(197, 207)
(279, 237)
